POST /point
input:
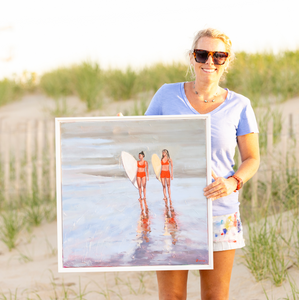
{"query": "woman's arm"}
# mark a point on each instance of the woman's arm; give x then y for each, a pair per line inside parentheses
(249, 148)
(147, 171)
(171, 165)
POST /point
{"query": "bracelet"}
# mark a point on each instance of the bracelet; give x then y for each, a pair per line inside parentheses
(239, 180)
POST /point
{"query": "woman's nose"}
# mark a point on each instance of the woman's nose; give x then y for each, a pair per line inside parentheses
(210, 60)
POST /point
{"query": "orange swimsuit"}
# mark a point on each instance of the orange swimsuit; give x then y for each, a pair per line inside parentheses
(141, 174)
(165, 174)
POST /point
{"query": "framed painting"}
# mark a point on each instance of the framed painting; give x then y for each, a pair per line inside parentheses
(130, 193)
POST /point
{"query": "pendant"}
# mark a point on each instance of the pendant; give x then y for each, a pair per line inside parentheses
(213, 100)
(206, 101)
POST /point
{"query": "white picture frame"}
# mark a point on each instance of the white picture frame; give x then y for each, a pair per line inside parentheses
(88, 165)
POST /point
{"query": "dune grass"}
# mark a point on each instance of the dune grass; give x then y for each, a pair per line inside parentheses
(264, 78)
(10, 90)
(28, 209)
(273, 229)
(267, 254)
(11, 226)
(119, 288)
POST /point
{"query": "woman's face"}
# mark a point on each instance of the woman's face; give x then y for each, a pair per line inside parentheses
(163, 153)
(140, 156)
(208, 72)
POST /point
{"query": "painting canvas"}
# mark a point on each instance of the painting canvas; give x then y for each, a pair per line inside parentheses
(118, 209)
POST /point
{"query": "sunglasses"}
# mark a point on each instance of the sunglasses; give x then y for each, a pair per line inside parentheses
(201, 56)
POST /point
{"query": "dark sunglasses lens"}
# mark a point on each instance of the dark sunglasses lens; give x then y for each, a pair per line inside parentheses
(219, 58)
(201, 56)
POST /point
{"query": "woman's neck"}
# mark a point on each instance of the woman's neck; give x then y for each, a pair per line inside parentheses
(205, 90)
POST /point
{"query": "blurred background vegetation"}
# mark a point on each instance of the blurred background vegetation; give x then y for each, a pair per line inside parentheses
(262, 77)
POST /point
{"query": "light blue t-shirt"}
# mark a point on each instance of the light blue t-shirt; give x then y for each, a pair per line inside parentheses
(232, 118)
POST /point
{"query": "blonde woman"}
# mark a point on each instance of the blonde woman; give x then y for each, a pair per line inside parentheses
(232, 123)
(166, 175)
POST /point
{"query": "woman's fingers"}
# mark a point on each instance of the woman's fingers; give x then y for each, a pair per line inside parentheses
(217, 196)
(217, 189)
(214, 175)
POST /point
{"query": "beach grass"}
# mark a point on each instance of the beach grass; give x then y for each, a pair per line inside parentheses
(270, 251)
(11, 225)
(10, 91)
(265, 78)
(88, 83)
(105, 289)
(263, 117)
(25, 210)
(120, 85)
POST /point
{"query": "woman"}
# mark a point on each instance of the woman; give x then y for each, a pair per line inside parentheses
(232, 121)
(141, 176)
(165, 175)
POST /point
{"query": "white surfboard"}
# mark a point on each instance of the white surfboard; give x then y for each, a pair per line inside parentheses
(130, 165)
(156, 163)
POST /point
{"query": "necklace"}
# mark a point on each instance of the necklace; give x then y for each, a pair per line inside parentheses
(206, 101)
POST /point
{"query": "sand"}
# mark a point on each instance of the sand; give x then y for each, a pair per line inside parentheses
(30, 270)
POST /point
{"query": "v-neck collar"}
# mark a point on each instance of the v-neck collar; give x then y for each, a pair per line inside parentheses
(194, 110)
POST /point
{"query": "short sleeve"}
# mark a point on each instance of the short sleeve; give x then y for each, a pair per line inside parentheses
(155, 107)
(247, 123)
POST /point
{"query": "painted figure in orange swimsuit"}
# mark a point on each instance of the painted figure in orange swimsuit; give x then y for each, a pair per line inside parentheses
(166, 175)
(142, 176)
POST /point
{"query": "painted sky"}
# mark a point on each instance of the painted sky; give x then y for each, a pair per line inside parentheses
(42, 35)
(94, 147)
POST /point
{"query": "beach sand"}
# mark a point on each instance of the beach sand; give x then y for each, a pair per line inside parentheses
(32, 269)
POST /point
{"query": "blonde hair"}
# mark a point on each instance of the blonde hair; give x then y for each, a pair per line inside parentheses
(216, 34)
(167, 153)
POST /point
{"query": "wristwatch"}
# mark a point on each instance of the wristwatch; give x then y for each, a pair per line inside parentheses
(239, 180)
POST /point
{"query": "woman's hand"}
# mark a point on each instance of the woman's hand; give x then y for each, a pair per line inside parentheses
(220, 187)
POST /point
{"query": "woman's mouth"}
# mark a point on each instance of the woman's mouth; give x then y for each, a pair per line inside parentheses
(208, 70)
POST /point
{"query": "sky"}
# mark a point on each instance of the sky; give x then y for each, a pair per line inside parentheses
(38, 36)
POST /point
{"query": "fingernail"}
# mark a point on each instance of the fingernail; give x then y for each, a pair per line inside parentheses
(204, 189)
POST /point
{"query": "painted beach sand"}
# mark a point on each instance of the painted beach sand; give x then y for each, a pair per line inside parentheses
(103, 224)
